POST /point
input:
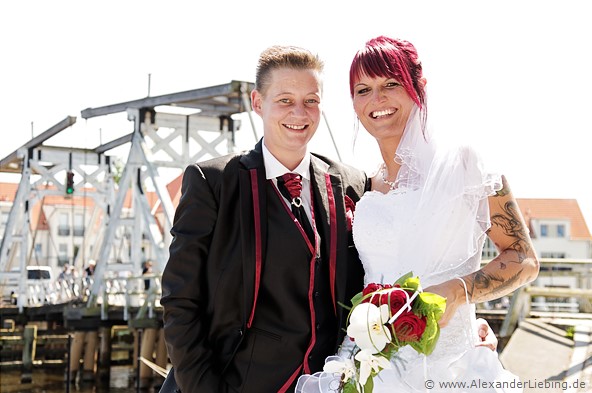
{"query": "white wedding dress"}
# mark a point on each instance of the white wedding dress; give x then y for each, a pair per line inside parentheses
(381, 234)
(433, 224)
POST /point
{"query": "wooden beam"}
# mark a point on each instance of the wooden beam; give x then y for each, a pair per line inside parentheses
(8, 163)
(189, 98)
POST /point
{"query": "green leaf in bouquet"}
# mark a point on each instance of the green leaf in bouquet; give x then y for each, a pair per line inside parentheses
(430, 303)
(411, 283)
(350, 388)
(429, 338)
(369, 387)
(402, 279)
(357, 299)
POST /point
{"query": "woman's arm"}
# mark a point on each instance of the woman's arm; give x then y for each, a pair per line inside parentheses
(516, 264)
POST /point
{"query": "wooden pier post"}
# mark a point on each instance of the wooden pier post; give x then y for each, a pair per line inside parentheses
(104, 369)
(90, 356)
(148, 339)
(30, 342)
(75, 355)
(162, 356)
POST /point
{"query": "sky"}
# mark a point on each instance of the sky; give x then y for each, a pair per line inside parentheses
(511, 77)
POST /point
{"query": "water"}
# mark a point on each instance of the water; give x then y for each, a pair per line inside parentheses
(50, 380)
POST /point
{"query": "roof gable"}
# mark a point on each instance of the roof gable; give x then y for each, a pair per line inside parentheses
(566, 209)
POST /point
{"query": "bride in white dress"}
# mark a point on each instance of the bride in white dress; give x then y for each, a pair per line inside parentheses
(429, 211)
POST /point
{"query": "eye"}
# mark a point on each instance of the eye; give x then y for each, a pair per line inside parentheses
(284, 100)
(363, 90)
(392, 84)
(312, 101)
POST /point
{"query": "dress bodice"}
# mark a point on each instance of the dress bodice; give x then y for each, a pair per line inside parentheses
(393, 238)
(379, 222)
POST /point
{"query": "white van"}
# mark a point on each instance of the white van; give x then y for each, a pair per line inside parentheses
(39, 279)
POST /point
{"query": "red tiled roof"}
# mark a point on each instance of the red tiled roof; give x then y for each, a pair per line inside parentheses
(565, 209)
(8, 191)
(174, 188)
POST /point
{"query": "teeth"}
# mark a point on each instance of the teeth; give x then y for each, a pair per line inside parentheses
(382, 113)
(295, 127)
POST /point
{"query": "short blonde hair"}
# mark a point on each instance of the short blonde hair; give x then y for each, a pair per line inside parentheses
(279, 56)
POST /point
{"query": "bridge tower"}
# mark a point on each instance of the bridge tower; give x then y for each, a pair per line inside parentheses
(133, 209)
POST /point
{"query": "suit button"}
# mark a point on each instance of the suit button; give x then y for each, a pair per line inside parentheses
(318, 326)
(317, 294)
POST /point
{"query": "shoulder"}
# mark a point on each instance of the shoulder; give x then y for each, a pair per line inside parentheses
(349, 175)
(477, 177)
(339, 167)
(214, 167)
(209, 174)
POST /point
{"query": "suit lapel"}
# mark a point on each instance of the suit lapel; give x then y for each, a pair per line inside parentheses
(253, 202)
(329, 194)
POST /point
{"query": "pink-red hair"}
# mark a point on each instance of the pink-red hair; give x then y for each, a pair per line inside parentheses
(390, 58)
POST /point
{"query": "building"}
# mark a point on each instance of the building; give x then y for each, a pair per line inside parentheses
(557, 228)
(62, 229)
(562, 240)
(563, 244)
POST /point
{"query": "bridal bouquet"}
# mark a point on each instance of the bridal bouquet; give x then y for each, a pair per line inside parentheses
(384, 318)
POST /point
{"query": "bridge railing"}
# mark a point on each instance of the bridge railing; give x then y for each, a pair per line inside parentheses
(564, 286)
(141, 293)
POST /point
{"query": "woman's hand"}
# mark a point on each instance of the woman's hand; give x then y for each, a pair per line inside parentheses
(454, 292)
(487, 337)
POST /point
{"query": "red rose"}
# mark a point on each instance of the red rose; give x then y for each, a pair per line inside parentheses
(409, 327)
(372, 287)
(350, 207)
(376, 299)
(396, 300)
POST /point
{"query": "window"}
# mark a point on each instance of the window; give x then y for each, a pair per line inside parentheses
(552, 254)
(63, 254)
(544, 230)
(560, 230)
(3, 222)
(64, 225)
(78, 224)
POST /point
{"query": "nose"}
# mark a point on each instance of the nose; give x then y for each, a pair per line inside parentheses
(378, 94)
(298, 109)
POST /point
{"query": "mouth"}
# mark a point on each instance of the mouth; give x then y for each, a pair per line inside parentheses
(296, 127)
(382, 113)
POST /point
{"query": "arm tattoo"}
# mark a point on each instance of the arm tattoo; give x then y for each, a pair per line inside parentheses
(511, 224)
(491, 285)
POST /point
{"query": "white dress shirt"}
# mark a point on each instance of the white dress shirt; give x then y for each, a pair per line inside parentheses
(274, 168)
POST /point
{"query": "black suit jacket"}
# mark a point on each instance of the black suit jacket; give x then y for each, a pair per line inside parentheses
(216, 267)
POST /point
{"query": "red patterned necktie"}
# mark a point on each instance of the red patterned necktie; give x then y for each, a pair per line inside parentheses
(290, 185)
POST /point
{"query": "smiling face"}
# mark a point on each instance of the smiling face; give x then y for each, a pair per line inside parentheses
(382, 105)
(290, 107)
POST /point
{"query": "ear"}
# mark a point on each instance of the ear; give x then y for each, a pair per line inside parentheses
(256, 99)
(423, 81)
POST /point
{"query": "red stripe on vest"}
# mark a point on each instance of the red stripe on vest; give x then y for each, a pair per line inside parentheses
(333, 239)
(258, 263)
(290, 381)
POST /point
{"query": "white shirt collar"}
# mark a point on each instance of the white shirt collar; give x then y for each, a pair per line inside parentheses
(274, 168)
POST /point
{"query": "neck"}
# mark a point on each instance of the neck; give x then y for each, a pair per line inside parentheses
(388, 149)
(288, 158)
